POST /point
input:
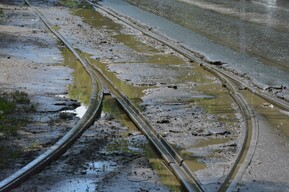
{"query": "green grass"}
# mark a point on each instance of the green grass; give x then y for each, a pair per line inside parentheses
(1, 12)
(8, 154)
(73, 3)
(12, 106)
(55, 27)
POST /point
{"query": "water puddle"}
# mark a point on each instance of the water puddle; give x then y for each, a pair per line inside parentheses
(100, 167)
(165, 175)
(195, 165)
(80, 88)
(95, 19)
(131, 42)
(132, 92)
(276, 117)
(205, 142)
(80, 184)
(109, 106)
(88, 177)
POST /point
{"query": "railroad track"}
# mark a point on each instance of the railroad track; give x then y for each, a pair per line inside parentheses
(173, 160)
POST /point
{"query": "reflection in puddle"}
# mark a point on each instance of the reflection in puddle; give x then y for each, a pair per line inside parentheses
(134, 44)
(80, 89)
(79, 111)
(111, 106)
(79, 184)
(195, 165)
(87, 180)
(100, 167)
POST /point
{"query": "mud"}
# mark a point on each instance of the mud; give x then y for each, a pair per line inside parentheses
(186, 104)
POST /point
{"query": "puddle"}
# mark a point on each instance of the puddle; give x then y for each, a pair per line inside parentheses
(195, 165)
(80, 88)
(165, 175)
(277, 118)
(205, 142)
(88, 177)
(100, 167)
(79, 184)
(132, 92)
(109, 106)
(95, 19)
(79, 111)
(131, 42)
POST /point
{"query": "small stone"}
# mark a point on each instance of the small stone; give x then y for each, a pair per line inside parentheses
(173, 86)
(163, 121)
(218, 131)
(165, 134)
(103, 42)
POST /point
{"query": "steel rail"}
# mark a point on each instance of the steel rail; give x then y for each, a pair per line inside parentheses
(251, 135)
(69, 138)
(251, 131)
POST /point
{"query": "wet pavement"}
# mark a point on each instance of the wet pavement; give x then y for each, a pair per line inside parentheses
(248, 36)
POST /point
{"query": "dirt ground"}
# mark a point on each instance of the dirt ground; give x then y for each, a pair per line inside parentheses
(161, 81)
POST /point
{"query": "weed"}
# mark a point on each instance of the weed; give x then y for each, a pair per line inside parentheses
(8, 154)
(29, 108)
(20, 97)
(10, 103)
(6, 106)
(55, 27)
(65, 115)
(74, 3)
(36, 145)
(120, 145)
(52, 121)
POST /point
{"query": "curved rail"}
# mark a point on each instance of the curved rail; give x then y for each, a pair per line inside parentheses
(250, 139)
(67, 140)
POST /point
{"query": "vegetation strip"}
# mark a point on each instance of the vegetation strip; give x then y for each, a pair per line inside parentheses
(66, 141)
